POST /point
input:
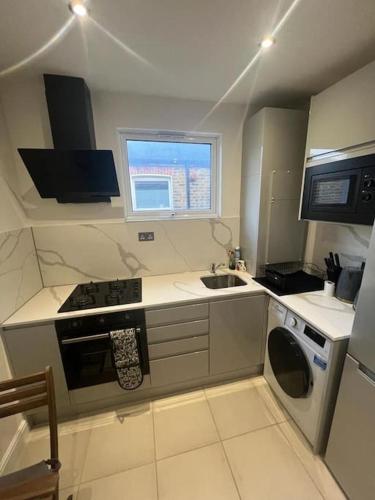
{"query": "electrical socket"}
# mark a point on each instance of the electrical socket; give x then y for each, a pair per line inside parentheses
(146, 236)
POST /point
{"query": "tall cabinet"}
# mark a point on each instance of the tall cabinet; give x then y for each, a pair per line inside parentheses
(272, 167)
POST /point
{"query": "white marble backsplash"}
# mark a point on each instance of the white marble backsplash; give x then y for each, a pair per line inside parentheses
(79, 253)
(351, 242)
(19, 271)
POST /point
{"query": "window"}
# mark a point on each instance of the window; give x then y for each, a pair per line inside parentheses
(170, 175)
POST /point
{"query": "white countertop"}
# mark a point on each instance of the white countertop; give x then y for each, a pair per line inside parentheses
(332, 317)
(161, 290)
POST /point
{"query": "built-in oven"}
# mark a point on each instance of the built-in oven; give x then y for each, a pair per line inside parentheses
(85, 346)
(340, 191)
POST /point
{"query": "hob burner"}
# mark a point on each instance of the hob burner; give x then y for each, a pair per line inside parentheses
(82, 300)
(91, 287)
(112, 300)
(116, 285)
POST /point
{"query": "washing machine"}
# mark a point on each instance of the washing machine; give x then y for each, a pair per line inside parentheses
(303, 368)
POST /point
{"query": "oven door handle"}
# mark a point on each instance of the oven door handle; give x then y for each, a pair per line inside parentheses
(87, 338)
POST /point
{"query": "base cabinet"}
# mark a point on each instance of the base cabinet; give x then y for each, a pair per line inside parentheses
(237, 333)
(30, 350)
(189, 345)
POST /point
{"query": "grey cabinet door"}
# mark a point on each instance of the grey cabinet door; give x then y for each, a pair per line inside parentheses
(237, 333)
(31, 349)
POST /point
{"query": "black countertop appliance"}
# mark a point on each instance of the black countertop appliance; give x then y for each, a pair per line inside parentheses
(288, 278)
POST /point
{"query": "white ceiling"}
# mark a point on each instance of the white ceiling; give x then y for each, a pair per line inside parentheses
(192, 49)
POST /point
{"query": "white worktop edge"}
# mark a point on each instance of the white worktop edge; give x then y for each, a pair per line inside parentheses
(327, 314)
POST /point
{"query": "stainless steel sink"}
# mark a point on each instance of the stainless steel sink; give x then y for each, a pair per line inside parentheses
(222, 281)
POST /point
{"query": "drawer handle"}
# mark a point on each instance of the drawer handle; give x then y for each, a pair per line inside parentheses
(176, 339)
(168, 356)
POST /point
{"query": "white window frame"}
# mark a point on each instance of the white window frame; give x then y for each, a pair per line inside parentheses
(150, 178)
(172, 136)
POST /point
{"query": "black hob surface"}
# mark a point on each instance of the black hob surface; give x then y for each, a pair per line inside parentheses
(103, 294)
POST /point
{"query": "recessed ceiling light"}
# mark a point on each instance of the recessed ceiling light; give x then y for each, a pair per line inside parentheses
(78, 8)
(267, 42)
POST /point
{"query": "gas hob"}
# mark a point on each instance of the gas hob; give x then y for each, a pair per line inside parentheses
(103, 294)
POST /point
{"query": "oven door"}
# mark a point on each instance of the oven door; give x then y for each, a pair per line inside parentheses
(340, 192)
(87, 360)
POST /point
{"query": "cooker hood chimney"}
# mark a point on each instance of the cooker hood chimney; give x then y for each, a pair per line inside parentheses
(70, 112)
(75, 171)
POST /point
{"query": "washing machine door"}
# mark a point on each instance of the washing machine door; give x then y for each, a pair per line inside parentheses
(289, 363)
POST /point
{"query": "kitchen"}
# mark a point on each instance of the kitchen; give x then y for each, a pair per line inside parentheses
(171, 170)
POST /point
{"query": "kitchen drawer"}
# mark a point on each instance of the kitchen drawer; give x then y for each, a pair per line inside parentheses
(181, 346)
(176, 369)
(177, 331)
(176, 314)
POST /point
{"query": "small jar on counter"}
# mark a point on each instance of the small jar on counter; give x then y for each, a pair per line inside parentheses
(237, 255)
(232, 260)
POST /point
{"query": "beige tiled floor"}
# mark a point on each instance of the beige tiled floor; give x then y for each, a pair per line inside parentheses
(229, 442)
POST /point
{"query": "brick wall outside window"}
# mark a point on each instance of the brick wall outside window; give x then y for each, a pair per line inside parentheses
(199, 183)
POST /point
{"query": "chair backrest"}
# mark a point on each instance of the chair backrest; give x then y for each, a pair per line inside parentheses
(26, 393)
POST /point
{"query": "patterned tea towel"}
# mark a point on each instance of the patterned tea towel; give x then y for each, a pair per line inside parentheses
(126, 358)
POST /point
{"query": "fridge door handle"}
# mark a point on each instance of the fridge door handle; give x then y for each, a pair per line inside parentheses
(366, 373)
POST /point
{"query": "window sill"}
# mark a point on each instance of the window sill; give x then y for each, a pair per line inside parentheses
(158, 218)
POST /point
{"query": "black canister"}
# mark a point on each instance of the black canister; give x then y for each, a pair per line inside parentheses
(348, 283)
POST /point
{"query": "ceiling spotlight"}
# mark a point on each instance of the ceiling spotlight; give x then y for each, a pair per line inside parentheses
(267, 42)
(78, 8)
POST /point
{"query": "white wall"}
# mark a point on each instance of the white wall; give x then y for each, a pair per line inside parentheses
(349, 241)
(26, 116)
(19, 272)
(117, 110)
(74, 258)
(11, 214)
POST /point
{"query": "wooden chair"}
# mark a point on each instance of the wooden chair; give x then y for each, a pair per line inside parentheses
(19, 395)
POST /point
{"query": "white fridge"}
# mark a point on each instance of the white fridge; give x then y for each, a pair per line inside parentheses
(350, 452)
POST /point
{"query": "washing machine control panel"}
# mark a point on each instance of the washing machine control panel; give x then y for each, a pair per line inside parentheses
(307, 333)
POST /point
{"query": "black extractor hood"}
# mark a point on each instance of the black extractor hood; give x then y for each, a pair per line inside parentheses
(74, 171)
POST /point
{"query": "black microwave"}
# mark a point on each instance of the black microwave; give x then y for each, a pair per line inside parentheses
(340, 191)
